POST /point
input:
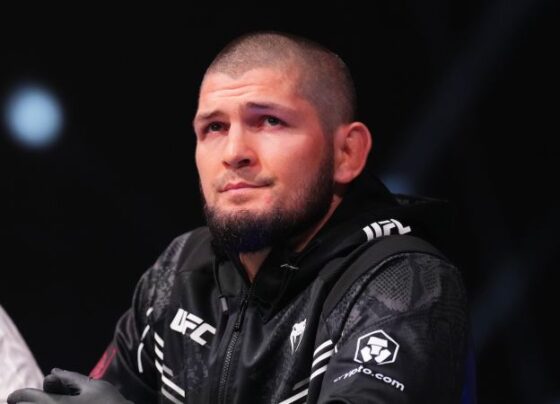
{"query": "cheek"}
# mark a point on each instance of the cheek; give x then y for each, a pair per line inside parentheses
(299, 148)
(297, 178)
(298, 164)
(204, 173)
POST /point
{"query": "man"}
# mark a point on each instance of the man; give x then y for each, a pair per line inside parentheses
(289, 295)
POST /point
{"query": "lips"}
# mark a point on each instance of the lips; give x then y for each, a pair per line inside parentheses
(240, 185)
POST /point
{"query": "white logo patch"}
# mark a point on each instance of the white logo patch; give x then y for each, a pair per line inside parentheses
(297, 334)
(377, 346)
(385, 228)
(184, 320)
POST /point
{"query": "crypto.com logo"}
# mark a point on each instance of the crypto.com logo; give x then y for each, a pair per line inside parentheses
(376, 346)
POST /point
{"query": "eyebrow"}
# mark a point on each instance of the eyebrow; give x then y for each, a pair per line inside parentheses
(206, 116)
(251, 106)
(268, 106)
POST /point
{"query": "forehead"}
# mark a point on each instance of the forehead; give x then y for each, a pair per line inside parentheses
(258, 85)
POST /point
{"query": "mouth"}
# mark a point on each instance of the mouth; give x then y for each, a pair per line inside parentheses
(240, 185)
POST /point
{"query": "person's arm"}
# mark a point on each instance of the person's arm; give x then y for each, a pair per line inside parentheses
(64, 387)
(127, 369)
(116, 371)
(18, 368)
(118, 380)
(130, 361)
(404, 338)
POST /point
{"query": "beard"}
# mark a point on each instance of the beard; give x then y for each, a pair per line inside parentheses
(245, 231)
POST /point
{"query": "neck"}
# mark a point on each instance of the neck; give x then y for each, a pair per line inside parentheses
(253, 261)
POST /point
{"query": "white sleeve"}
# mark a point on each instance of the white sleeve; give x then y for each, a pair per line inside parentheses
(18, 368)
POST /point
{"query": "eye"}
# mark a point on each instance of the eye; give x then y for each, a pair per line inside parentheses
(213, 127)
(272, 121)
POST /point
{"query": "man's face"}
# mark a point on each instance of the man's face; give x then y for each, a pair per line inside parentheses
(265, 164)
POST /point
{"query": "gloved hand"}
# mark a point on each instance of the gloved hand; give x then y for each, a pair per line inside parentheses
(65, 387)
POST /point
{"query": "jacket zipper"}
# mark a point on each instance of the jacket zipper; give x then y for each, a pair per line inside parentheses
(231, 346)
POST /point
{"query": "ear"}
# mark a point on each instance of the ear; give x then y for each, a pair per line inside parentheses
(352, 144)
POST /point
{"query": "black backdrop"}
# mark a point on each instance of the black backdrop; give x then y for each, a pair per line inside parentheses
(474, 85)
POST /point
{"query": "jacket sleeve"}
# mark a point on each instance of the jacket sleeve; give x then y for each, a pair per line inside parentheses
(130, 361)
(403, 338)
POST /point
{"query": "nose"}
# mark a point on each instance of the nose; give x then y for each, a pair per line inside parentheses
(238, 152)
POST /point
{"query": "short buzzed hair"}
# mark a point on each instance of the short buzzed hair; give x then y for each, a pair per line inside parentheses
(324, 80)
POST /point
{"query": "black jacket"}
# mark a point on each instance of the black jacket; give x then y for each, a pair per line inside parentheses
(199, 332)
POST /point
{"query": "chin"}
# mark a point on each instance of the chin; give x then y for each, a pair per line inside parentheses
(253, 207)
(240, 210)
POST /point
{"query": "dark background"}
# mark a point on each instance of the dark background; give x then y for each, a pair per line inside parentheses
(462, 100)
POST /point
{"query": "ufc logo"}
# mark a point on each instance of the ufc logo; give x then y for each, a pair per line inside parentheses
(184, 321)
(385, 228)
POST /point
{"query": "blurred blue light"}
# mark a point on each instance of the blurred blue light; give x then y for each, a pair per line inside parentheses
(34, 116)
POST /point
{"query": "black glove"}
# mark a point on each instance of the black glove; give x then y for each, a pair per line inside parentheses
(65, 387)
